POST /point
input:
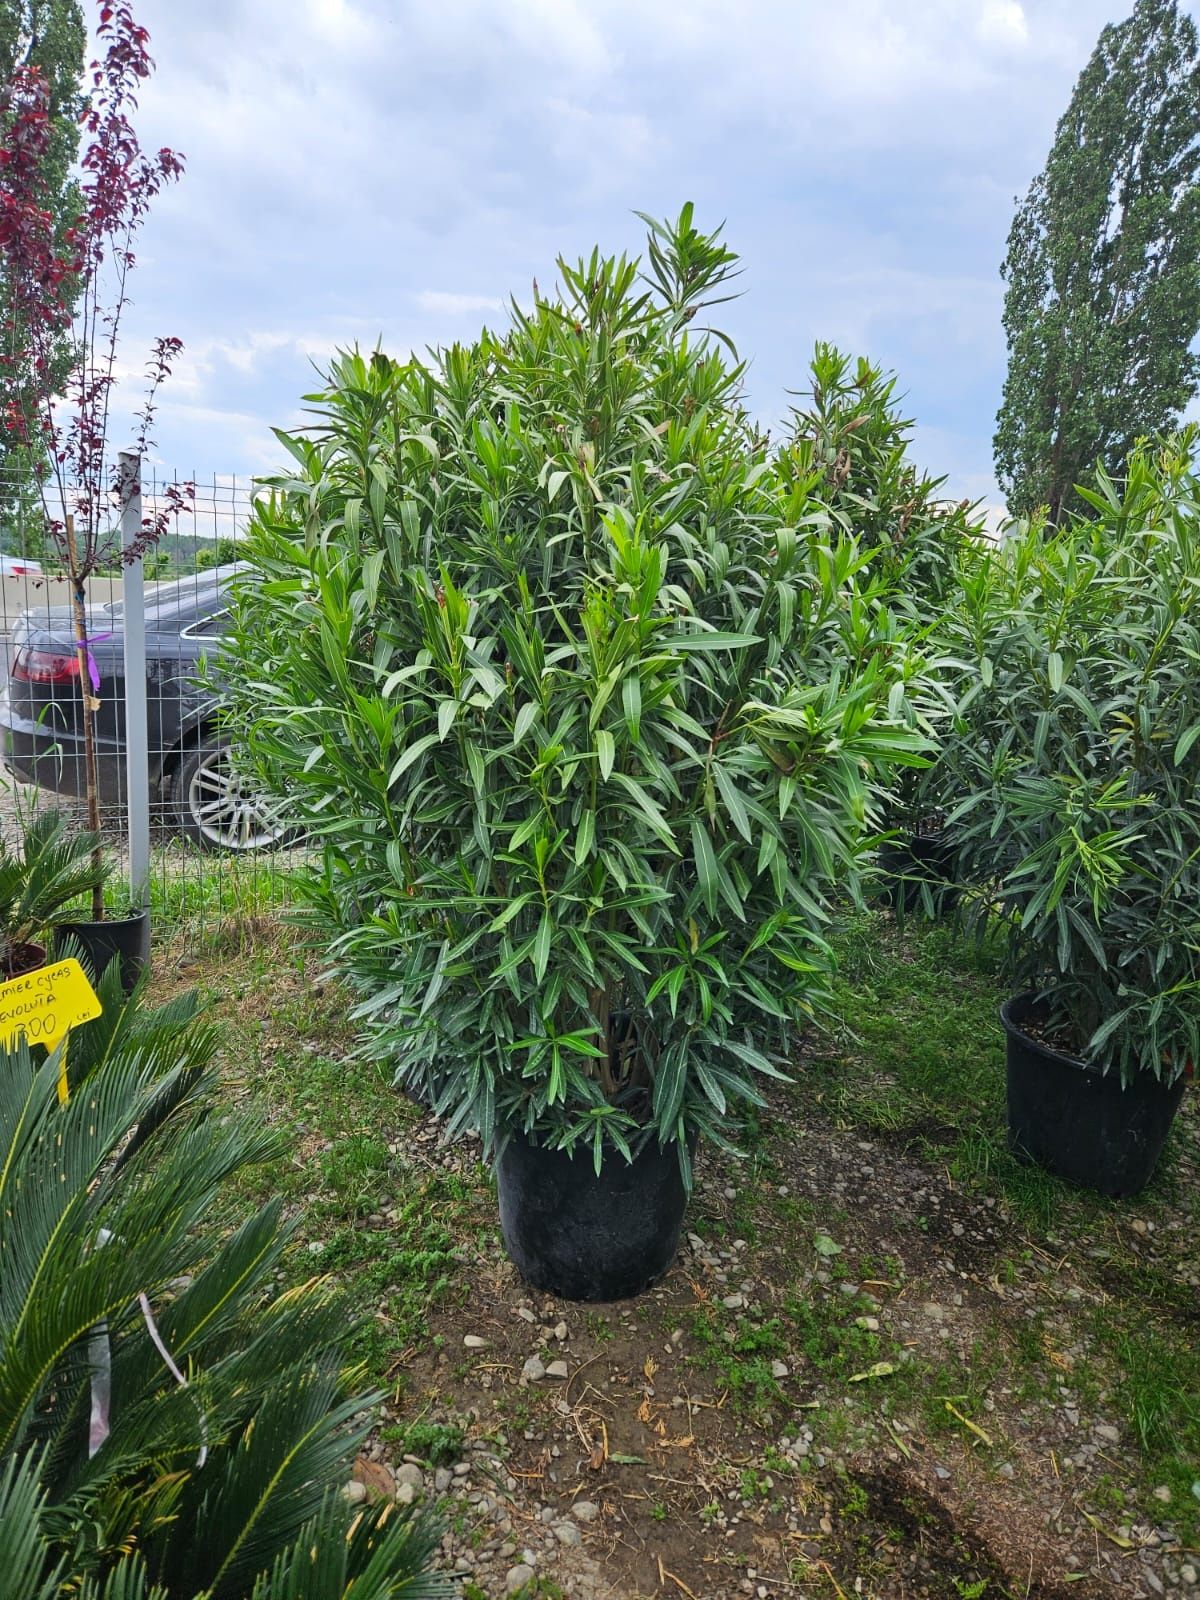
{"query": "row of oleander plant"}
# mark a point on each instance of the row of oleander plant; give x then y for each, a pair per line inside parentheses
(599, 702)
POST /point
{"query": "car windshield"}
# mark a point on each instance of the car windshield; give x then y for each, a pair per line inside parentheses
(166, 600)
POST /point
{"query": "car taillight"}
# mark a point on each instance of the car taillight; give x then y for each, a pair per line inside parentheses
(44, 666)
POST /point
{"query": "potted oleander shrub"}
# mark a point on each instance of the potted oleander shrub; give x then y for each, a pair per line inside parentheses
(42, 879)
(850, 444)
(172, 1423)
(917, 860)
(586, 709)
(1077, 758)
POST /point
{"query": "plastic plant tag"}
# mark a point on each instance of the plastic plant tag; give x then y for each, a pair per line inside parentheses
(44, 1006)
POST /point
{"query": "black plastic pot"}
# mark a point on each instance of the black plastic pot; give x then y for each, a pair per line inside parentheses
(584, 1237)
(124, 939)
(1078, 1122)
(920, 858)
(22, 958)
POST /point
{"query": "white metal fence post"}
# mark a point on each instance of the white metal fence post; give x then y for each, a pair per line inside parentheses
(137, 756)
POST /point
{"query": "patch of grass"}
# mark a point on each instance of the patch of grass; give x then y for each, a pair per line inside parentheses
(438, 1444)
(742, 1364)
(826, 1333)
(386, 1229)
(397, 1273)
(754, 1484)
(598, 1326)
(916, 1001)
(1157, 1376)
(854, 1499)
(215, 897)
(963, 1385)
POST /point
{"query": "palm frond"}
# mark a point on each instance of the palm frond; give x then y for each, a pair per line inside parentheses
(25, 1558)
(227, 1419)
(56, 865)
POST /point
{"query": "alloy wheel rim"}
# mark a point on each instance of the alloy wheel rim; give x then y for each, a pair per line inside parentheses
(227, 811)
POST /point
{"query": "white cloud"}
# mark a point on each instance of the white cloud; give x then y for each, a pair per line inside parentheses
(1003, 22)
(343, 155)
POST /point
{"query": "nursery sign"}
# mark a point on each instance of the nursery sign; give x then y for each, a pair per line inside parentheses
(44, 1005)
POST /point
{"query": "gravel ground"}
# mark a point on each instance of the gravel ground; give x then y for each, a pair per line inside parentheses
(607, 1454)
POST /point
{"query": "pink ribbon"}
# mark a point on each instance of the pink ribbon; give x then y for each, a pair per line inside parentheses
(93, 669)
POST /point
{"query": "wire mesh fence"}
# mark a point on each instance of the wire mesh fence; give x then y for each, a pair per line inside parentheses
(218, 848)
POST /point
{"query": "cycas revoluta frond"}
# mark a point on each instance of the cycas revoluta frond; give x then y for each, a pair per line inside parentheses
(54, 867)
(113, 1247)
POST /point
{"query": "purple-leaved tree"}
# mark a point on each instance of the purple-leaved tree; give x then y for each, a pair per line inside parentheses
(77, 285)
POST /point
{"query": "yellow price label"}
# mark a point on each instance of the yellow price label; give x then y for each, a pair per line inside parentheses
(45, 1005)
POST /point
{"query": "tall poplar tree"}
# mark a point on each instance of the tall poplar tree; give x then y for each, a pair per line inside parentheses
(1103, 266)
(49, 34)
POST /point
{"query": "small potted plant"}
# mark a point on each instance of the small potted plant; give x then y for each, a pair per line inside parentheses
(41, 884)
(917, 861)
(1078, 766)
(66, 293)
(565, 685)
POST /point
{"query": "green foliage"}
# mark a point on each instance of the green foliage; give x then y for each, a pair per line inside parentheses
(586, 698)
(851, 432)
(40, 882)
(440, 1444)
(1074, 765)
(850, 446)
(1103, 266)
(116, 1478)
(217, 554)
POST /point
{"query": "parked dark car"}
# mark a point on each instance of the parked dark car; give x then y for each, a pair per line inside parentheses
(194, 784)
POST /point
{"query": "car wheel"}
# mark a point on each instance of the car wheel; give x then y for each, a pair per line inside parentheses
(220, 808)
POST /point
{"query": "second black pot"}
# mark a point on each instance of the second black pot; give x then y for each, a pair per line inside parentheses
(123, 939)
(1077, 1121)
(584, 1237)
(920, 858)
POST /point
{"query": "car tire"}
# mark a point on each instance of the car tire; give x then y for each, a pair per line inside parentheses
(217, 809)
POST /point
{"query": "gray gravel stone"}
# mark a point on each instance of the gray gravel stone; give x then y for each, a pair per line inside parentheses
(517, 1577)
(534, 1369)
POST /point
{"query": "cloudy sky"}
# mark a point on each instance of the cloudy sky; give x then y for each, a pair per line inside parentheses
(363, 170)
